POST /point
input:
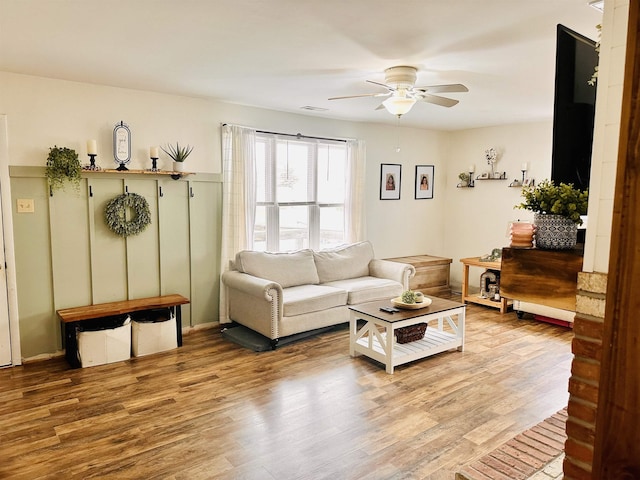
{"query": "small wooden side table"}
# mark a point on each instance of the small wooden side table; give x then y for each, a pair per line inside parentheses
(503, 304)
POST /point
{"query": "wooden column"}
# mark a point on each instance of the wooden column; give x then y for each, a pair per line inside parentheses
(617, 442)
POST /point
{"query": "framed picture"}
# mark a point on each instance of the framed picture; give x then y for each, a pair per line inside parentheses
(424, 181)
(390, 181)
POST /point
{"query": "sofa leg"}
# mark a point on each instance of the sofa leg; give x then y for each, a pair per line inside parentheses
(274, 343)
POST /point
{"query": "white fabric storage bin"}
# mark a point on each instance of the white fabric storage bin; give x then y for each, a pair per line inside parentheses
(153, 337)
(105, 346)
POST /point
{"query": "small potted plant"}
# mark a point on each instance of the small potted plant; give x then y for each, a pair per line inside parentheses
(464, 179)
(63, 165)
(178, 154)
(557, 210)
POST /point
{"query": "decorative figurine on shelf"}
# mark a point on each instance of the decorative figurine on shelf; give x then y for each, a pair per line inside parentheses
(122, 145)
(491, 155)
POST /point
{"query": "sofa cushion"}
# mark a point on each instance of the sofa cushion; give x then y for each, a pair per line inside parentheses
(350, 261)
(287, 269)
(311, 298)
(368, 289)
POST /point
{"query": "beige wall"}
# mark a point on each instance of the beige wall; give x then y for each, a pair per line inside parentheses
(478, 218)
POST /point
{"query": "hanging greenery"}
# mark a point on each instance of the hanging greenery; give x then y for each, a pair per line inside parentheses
(63, 165)
(115, 214)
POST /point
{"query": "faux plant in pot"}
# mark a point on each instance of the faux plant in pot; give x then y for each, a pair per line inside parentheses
(464, 179)
(557, 210)
(178, 154)
(63, 165)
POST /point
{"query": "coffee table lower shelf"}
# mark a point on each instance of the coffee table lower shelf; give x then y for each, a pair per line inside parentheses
(371, 332)
(433, 342)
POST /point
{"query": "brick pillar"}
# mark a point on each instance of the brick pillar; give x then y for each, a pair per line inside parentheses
(588, 329)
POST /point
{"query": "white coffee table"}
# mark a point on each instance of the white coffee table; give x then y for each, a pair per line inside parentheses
(375, 338)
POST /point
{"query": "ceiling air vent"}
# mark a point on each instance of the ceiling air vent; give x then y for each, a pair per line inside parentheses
(314, 109)
(597, 4)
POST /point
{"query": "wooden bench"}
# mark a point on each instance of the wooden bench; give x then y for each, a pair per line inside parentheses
(71, 318)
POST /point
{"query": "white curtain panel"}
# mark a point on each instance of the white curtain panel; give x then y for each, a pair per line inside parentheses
(354, 204)
(238, 198)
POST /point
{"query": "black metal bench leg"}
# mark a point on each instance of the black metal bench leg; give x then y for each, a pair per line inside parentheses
(71, 344)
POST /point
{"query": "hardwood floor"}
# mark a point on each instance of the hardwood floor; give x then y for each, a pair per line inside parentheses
(214, 410)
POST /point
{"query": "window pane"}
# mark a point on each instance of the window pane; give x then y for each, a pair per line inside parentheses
(292, 172)
(332, 164)
(294, 228)
(261, 165)
(331, 226)
(260, 229)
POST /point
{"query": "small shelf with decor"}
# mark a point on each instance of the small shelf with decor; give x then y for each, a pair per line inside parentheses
(495, 176)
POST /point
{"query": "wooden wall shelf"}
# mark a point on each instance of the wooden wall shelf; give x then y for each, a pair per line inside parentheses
(174, 175)
(503, 176)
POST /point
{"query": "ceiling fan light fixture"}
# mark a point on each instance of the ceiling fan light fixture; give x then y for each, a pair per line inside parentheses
(398, 105)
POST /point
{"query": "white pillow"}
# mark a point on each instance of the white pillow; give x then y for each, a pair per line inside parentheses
(287, 269)
(351, 261)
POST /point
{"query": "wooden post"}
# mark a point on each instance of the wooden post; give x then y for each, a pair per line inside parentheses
(617, 436)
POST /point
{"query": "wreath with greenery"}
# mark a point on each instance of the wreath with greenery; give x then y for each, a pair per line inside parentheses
(115, 214)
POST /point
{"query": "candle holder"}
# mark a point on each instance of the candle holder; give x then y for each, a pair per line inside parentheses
(523, 173)
(471, 183)
(92, 163)
(154, 164)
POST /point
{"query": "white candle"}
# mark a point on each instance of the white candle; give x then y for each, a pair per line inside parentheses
(153, 152)
(92, 147)
(525, 166)
(472, 167)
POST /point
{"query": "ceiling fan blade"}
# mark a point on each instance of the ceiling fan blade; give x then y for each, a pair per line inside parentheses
(381, 84)
(437, 100)
(452, 88)
(379, 107)
(362, 95)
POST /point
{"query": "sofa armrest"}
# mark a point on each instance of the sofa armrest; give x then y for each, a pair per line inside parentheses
(255, 286)
(254, 302)
(400, 272)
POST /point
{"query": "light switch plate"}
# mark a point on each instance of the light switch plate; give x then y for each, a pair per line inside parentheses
(26, 205)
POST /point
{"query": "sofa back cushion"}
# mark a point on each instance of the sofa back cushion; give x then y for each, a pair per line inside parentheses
(287, 269)
(340, 263)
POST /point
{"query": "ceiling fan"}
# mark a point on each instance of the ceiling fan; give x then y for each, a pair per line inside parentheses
(403, 94)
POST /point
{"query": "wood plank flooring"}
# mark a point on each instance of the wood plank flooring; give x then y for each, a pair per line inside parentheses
(214, 410)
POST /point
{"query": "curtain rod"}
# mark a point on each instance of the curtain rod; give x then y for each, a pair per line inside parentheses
(297, 135)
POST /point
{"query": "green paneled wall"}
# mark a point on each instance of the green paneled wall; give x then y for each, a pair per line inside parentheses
(66, 255)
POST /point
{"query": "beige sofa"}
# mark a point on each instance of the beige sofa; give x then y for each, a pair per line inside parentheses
(283, 294)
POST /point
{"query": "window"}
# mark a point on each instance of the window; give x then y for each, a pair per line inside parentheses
(300, 193)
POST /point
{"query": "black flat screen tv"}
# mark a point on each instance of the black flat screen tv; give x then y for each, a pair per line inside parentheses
(574, 108)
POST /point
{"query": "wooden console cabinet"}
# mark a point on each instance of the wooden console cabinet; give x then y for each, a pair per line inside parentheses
(432, 274)
(543, 277)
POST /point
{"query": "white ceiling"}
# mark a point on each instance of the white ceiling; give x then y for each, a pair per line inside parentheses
(287, 54)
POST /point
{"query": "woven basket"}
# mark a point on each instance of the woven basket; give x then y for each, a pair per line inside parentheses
(411, 333)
